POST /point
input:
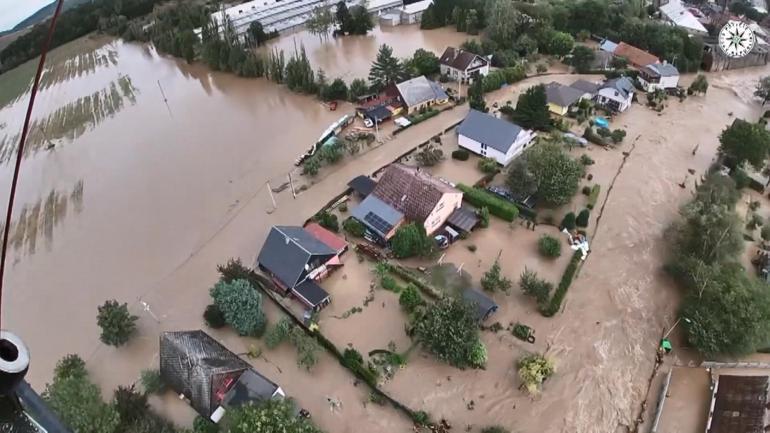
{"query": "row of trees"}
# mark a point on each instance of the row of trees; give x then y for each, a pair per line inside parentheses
(344, 21)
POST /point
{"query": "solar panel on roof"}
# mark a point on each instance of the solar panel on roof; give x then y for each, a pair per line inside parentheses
(378, 223)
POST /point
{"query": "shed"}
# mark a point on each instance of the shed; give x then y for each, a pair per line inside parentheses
(311, 294)
(485, 306)
(463, 219)
(195, 365)
(362, 185)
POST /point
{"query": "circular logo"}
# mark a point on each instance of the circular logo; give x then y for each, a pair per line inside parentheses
(736, 39)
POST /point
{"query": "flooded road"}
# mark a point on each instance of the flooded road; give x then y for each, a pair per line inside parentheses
(145, 173)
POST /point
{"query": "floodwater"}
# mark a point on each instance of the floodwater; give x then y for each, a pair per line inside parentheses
(143, 173)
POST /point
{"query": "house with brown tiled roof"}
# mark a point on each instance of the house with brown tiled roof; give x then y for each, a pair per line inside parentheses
(421, 197)
(461, 65)
(636, 57)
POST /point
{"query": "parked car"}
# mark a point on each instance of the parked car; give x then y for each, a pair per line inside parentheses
(528, 201)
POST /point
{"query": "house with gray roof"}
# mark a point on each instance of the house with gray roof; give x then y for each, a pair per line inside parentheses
(380, 219)
(420, 93)
(462, 65)
(209, 376)
(616, 94)
(295, 259)
(490, 137)
(658, 76)
(561, 98)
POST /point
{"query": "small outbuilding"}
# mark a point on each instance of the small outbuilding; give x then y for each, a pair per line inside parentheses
(463, 219)
(485, 306)
(362, 185)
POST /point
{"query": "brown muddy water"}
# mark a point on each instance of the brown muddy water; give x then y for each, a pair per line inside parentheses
(137, 199)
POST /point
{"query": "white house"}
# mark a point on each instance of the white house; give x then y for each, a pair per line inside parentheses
(616, 94)
(658, 76)
(412, 13)
(678, 14)
(491, 137)
(461, 65)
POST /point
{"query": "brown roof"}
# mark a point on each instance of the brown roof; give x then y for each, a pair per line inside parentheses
(739, 405)
(411, 191)
(458, 59)
(635, 56)
(327, 237)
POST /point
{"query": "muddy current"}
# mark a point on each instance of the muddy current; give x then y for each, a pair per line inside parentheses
(143, 173)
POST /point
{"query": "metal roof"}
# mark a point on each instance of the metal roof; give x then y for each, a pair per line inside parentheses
(585, 86)
(287, 250)
(739, 404)
(623, 85)
(419, 6)
(496, 133)
(675, 11)
(459, 59)
(484, 305)
(608, 46)
(311, 292)
(664, 69)
(420, 90)
(377, 215)
(463, 218)
(363, 185)
(328, 237)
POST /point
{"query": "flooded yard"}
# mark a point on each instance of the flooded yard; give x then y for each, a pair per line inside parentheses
(148, 172)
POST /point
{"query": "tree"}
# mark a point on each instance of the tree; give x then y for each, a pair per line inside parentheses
(532, 110)
(617, 135)
(358, 88)
(214, 317)
(472, 22)
(582, 218)
(488, 165)
(354, 227)
(568, 222)
(520, 180)
(411, 240)
(386, 69)
(549, 246)
(765, 233)
(268, 416)
(556, 172)
(449, 330)
(320, 22)
(130, 405)
(504, 22)
(311, 166)
(424, 62)
(476, 95)
(242, 306)
(78, 401)
(699, 85)
(342, 16)
(204, 425)
(536, 287)
(256, 35)
(336, 90)
(582, 58)
(763, 89)
(534, 370)
(152, 382)
(410, 298)
(360, 20)
(116, 322)
(327, 220)
(429, 156)
(745, 142)
(493, 280)
(558, 43)
(484, 217)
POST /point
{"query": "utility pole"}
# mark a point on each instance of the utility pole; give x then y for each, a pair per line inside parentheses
(291, 185)
(270, 191)
(165, 100)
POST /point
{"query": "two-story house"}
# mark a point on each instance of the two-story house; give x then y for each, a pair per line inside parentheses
(658, 76)
(461, 65)
(420, 197)
(491, 137)
(616, 94)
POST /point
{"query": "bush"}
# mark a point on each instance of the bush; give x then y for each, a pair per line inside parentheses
(590, 135)
(343, 207)
(203, 425)
(742, 180)
(472, 248)
(410, 298)
(354, 227)
(116, 322)
(241, 305)
(534, 370)
(765, 233)
(421, 117)
(484, 217)
(278, 333)
(561, 291)
(536, 287)
(461, 155)
(493, 280)
(586, 160)
(549, 246)
(497, 206)
(152, 382)
(450, 331)
(411, 240)
(327, 220)
(429, 156)
(311, 166)
(389, 283)
(214, 317)
(488, 165)
(541, 68)
(594, 196)
(582, 218)
(495, 429)
(568, 222)
(586, 190)
(617, 135)
(603, 132)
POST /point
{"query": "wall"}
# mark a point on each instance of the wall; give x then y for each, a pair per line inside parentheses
(520, 145)
(475, 147)
(610, 94)
(448, 203)
(557, 109)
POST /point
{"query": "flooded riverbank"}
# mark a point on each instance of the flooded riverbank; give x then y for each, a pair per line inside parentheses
(173, 182)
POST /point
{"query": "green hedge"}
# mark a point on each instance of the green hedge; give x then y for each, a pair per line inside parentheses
(410, 277)
(554, 305)
(421, 117)
(497, 206)
(593, 196)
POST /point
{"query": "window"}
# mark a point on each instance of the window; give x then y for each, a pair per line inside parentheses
(483, 146)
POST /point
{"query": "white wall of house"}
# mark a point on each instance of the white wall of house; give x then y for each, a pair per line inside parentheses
(518, 146)
(610, 94)
(411, 18)
(663, 84)
(476, 67)
(438, 216)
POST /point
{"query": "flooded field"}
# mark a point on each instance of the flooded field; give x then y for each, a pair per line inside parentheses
(147, 172)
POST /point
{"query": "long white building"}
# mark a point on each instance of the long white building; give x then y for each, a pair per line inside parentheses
(281, 15)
